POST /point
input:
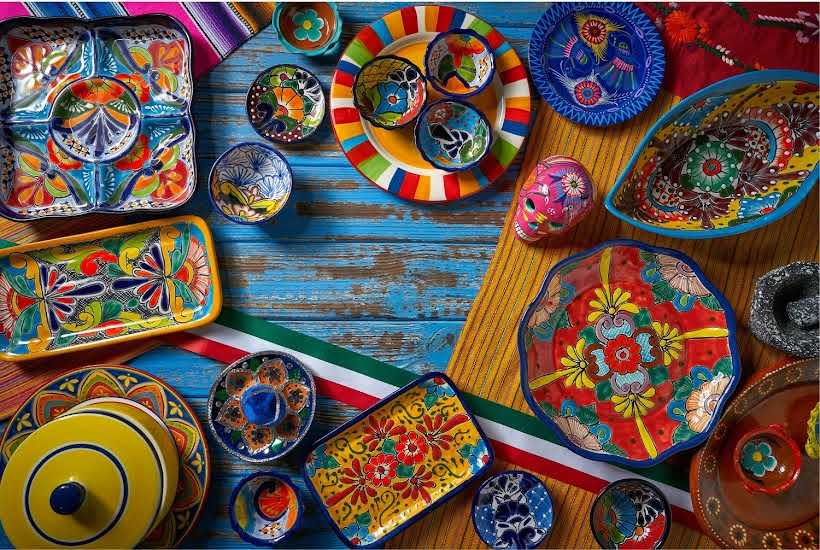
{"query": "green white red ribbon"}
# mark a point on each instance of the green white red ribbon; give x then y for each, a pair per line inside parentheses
(361, 381)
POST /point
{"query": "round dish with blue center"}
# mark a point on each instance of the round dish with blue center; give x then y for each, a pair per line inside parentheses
(459, 63)
(265, 508)
(261, 406)
(512, 509)
(630, 513)
(596, 63)
(453, 135)
(250, 183)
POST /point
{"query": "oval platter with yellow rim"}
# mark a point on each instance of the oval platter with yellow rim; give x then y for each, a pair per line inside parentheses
(81, 385)
(390, 159)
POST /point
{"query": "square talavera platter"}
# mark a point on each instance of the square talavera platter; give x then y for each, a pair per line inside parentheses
(94, 116)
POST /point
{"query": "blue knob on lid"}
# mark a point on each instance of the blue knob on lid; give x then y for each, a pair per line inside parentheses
(67, 498)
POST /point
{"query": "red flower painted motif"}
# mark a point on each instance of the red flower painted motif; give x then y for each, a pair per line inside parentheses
(411, 449)
(136, 157)
(357, 483)
(381, 469)
(60, 158)
(416, 486)
(167, 55)
(587, 92)
(623, 354)
(594, 31)
(172, 183)
(434, 432)
(680, 27)
(461, 46)
(137, 84)
(97, 90)
(377, 431)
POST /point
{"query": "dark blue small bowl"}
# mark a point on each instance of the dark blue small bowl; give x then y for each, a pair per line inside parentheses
(630, 510)
(251, 503)
(596, 63)
(513, 493)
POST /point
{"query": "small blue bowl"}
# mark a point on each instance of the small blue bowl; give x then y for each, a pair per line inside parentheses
(265, 508)
(459, 63)
(513, 493)
(630, 512)
(452, 135)
(250, 183)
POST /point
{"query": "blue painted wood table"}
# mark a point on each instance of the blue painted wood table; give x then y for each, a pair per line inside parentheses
(344, 262)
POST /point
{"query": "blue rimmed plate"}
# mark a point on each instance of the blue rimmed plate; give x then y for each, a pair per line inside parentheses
(596, 63)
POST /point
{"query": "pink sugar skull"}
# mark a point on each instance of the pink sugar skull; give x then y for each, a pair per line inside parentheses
(555, 197)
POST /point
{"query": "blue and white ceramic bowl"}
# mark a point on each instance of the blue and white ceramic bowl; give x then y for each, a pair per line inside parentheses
(265, 508)
(459, 63)
(453, 135)
(513, 509)
(596, 63)
(250, 183)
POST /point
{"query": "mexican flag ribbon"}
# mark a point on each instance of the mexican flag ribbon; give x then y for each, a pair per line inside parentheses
(361, 381)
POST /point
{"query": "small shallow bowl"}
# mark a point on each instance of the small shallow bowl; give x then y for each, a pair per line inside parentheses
(508, 495)
(250, 183)
(261, 406)
(389, 91)
(285, 104)
(732, 157)
(265, 508)
(630, 513)
(459, 63)
(453, 135)
(309, 28)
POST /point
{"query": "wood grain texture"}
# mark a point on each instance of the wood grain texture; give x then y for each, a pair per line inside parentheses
(485, 360)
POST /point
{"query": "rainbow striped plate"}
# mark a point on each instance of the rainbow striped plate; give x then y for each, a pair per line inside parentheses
(389, 158)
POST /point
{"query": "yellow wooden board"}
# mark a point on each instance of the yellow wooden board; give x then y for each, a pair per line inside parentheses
(485, 360)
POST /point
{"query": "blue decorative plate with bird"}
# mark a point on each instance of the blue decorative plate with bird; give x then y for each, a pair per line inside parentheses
(596, 63)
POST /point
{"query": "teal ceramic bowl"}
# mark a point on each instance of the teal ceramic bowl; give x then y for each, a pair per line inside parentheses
(453, 135)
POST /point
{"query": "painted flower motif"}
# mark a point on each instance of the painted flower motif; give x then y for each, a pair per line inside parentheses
(60, 158)
(381, 469)
(358, 486)
(38, 183)
(614, 516)
(610, 303)
(137, 84)
(622, 354)
(411, 448)
(168, 55)
(668, 341)
(256, 437)
(758, 206)
(377, 430)
(12, 303)
(770, 540)
(358, 532)
(136, 157)
(308, 25)
(757, 457)
(289, 103)
(634, 404)
(588, 92)
(702, 402)
(148, 280)
(195, 271)
(681, 27)
(738, 535)
(703, 207)
(515, 525)
(549, 304)
(711, 166)
(804, 539)
(573, 184)
(802, 120)
(578, 433)
(434, 431)
(477, 455)
(577, 365)
(680, 276)
(60, 295)
(416, 485)
(33, 64)
(593, 31)
(392, 98)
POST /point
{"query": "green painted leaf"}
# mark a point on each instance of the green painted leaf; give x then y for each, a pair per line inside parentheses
(133, 303)
(111, 310)
(404, 471)
(389, 446)
(723, 366)
(710, 302)
(658, 375)
(236, 435)
(467, 69)
(682, 387)
(20, 285)
(293, 374)
(647, 257)
(445, 67)
(587, 415)
(465, 451)
(613, 449)
(221, 395)
(642, 318)
(561, 319)
(786, 194)
(330, 462)
(170, 77)
(662, 292)
(24, 323)
(364, 519)
(548, 408)
(430, 399)
(603, 391)
(682, 433)
(588, 334)
(466, 153)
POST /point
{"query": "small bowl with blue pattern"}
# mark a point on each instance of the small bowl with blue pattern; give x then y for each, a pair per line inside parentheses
(452, 135)
(389, 91)
(250, 183)
(630, 513)
(265, 508)
(513, 509)
(459, 63)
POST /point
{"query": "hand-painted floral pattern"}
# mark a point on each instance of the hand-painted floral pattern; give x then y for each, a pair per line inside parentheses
(617, 374)
(386, 468)
(630, 513)
(286, 104)
(513, 510)
(75, 387)
(757, 458)
(108, 135)
(271, 373)
(83, 293)
(727, 160)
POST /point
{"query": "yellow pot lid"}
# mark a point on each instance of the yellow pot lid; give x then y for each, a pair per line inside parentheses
(86, 479)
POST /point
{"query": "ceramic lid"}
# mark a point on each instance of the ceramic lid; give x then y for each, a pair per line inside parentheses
(92, 478)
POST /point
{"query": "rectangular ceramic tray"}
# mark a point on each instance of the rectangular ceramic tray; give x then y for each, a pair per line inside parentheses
(107, 286)
(396, 461)
(94, 116)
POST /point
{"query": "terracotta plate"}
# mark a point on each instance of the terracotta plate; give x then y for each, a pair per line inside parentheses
(395, 462)
(628, 353)
(75, 387)
(389, 158)
(735, 517)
